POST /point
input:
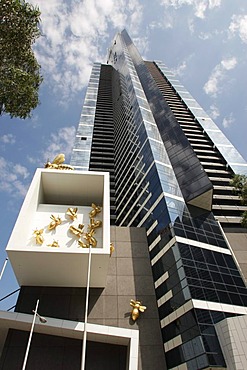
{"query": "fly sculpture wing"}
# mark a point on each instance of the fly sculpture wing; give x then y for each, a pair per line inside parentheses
(58, 163)
(72, 213)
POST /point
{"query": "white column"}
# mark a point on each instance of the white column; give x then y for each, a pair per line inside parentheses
(4, 265)
(30, 336)
(83, 361)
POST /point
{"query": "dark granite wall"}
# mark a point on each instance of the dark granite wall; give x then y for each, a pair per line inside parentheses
(59, 353)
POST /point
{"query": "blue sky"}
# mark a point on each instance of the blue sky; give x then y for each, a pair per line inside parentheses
(203, 41)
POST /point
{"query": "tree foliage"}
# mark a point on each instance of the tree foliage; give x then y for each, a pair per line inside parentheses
(20, 76)
(239, 182)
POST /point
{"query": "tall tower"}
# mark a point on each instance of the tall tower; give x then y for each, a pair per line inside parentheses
(170, 169)
(149, 162)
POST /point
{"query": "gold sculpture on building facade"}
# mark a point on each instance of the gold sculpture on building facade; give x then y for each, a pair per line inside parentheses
(54, 223)
(112, 249)
(57, 163)
(94, 224)
(38, 236)
(137, 308)
(95, 210)
(86, 239)
(77, 230)
(53, 244)
(72, 213)
(90, 238)
(82, 244)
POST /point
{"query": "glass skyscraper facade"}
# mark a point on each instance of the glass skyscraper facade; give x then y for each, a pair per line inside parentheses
(170, 169)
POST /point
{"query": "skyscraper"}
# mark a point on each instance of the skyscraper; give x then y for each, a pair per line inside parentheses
(172, 213)
(170, 169)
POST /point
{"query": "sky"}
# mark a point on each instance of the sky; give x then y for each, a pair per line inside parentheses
(204, 42)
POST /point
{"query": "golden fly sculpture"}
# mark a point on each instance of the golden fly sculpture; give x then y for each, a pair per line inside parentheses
(78, 231)
(58, 163)
(72, 213)
(112, 249)
(38, 236)
(93, 225)
(137, 308)
(54, 223)
(95, 210)
(53, 244)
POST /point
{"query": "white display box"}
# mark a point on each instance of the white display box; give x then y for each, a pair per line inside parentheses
(52, 192)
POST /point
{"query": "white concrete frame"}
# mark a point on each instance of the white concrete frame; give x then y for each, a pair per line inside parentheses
(52, 192)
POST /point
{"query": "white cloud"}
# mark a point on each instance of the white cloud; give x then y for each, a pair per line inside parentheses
(182, 66)
(60, 142)
(21, 170)
(135, 9)
(228, 121)
(21, 188)
(214, 3)
(229, 63)
(32, 160)
(8, 139)
(74, 36)
(199, 6)
(155, 24)
(209, 35)
(13, 178)
(167, 22)
(142, 45)
(180, 69)
(212, 86)
(239, 25)
(205, 36)
(34, 120)
(191, 25)
(214, 111)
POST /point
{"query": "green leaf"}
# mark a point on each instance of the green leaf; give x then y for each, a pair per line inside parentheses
(20, 75)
